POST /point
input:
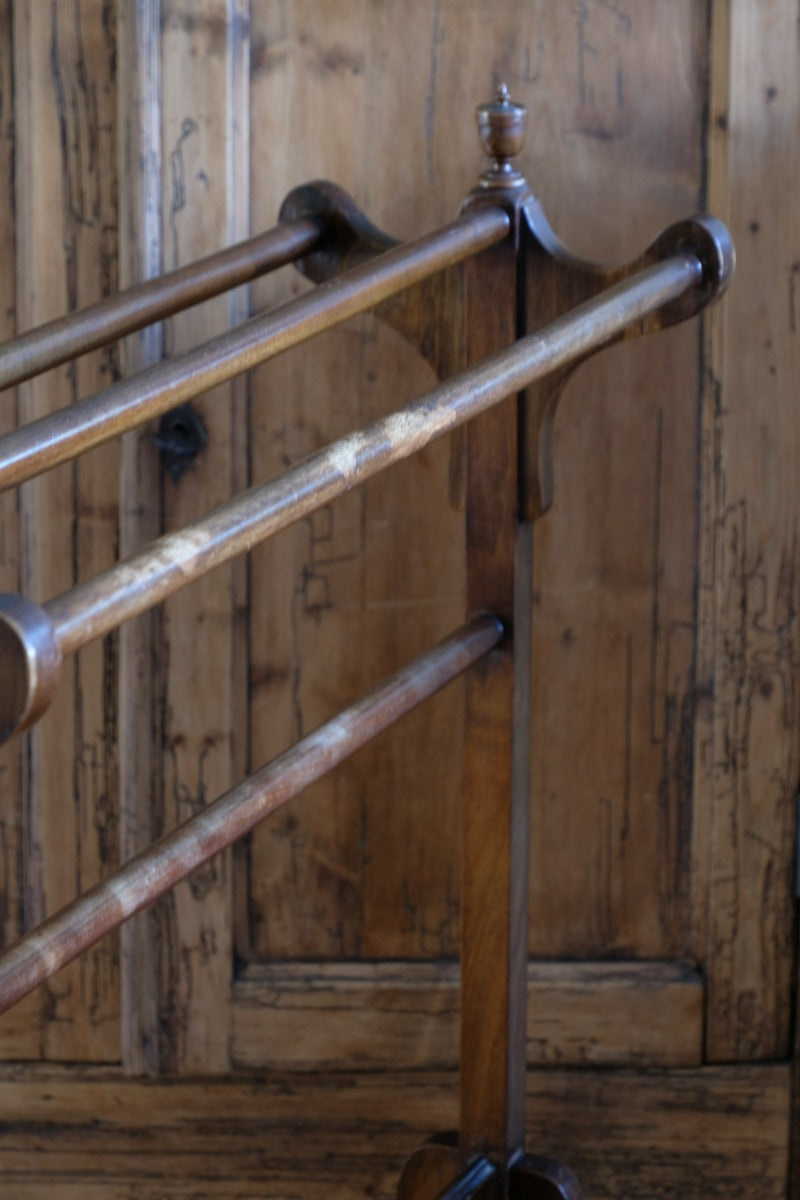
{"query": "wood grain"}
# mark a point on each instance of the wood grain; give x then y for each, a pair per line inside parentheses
(325, 1017)
(719, 1132)
(66, 256)
(20, 1039)
(746, 736)
(349, 595)
(652, 839)
(614, 566)
(614, 579)
(201, 212)
(141, 486)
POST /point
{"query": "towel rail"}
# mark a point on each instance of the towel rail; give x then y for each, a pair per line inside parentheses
(497, 389)
(64, 434)
(37, 638)
(114, 317)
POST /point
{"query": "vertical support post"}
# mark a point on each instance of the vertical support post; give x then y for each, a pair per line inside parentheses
(496, 774)
(487, 1157)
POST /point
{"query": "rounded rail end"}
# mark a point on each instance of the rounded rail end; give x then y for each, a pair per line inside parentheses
(30, 663)
(708, 240)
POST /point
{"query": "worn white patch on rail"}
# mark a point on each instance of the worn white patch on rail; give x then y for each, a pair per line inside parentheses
(344, 455)
(184, 548)
(402, 427)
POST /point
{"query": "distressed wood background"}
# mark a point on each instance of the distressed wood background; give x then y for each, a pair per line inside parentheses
(135, 137)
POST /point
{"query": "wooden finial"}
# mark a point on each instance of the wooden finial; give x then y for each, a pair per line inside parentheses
(502, 126)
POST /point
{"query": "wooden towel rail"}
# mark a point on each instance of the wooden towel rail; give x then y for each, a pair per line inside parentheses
(504, 313)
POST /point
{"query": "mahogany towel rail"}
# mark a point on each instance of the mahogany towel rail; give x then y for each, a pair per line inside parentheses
(499, 278)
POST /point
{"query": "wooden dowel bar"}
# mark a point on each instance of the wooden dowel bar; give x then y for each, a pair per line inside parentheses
(150, 874)
(114, 317)
(64, 434)
(94, 608)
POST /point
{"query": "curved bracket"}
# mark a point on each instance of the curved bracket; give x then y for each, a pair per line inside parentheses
(531, 1177)
(420, 314)
(432, 1168)
(436, 1171)
(348, 236)
(555, 281)
(552, 281)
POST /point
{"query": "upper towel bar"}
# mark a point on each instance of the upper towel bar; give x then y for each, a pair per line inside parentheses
(34, 639)
(87, 329)
(64, 434)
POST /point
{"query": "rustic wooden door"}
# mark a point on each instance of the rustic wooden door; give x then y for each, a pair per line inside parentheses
(665, 613)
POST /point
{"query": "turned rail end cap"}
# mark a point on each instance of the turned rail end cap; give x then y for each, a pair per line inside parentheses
(708, 240)
(502, 126)
(30, 663)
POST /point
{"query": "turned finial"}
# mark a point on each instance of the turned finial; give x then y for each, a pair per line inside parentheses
(501, 127)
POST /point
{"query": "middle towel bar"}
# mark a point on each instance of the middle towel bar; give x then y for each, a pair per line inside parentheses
(150, 874)
(64, 434)
(34, 639)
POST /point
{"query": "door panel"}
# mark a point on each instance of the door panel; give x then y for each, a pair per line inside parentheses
(665, 655)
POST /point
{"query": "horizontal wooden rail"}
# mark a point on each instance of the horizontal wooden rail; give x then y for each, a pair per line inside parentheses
(64, 434)
(114, 317)
(150, 874)
(34, 639)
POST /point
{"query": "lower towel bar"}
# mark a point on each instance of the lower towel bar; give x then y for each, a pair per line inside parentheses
(153, 872)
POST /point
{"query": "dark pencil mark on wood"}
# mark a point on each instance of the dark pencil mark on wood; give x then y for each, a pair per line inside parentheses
(430, 99)
(177, 179)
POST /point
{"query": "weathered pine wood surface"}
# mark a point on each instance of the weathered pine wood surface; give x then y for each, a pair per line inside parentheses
(719, 1131)
(293, 1015)
(66, 255)
(316, 891)
(141, 498)
(20, 1038)
(747, 717)
(134, 137)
